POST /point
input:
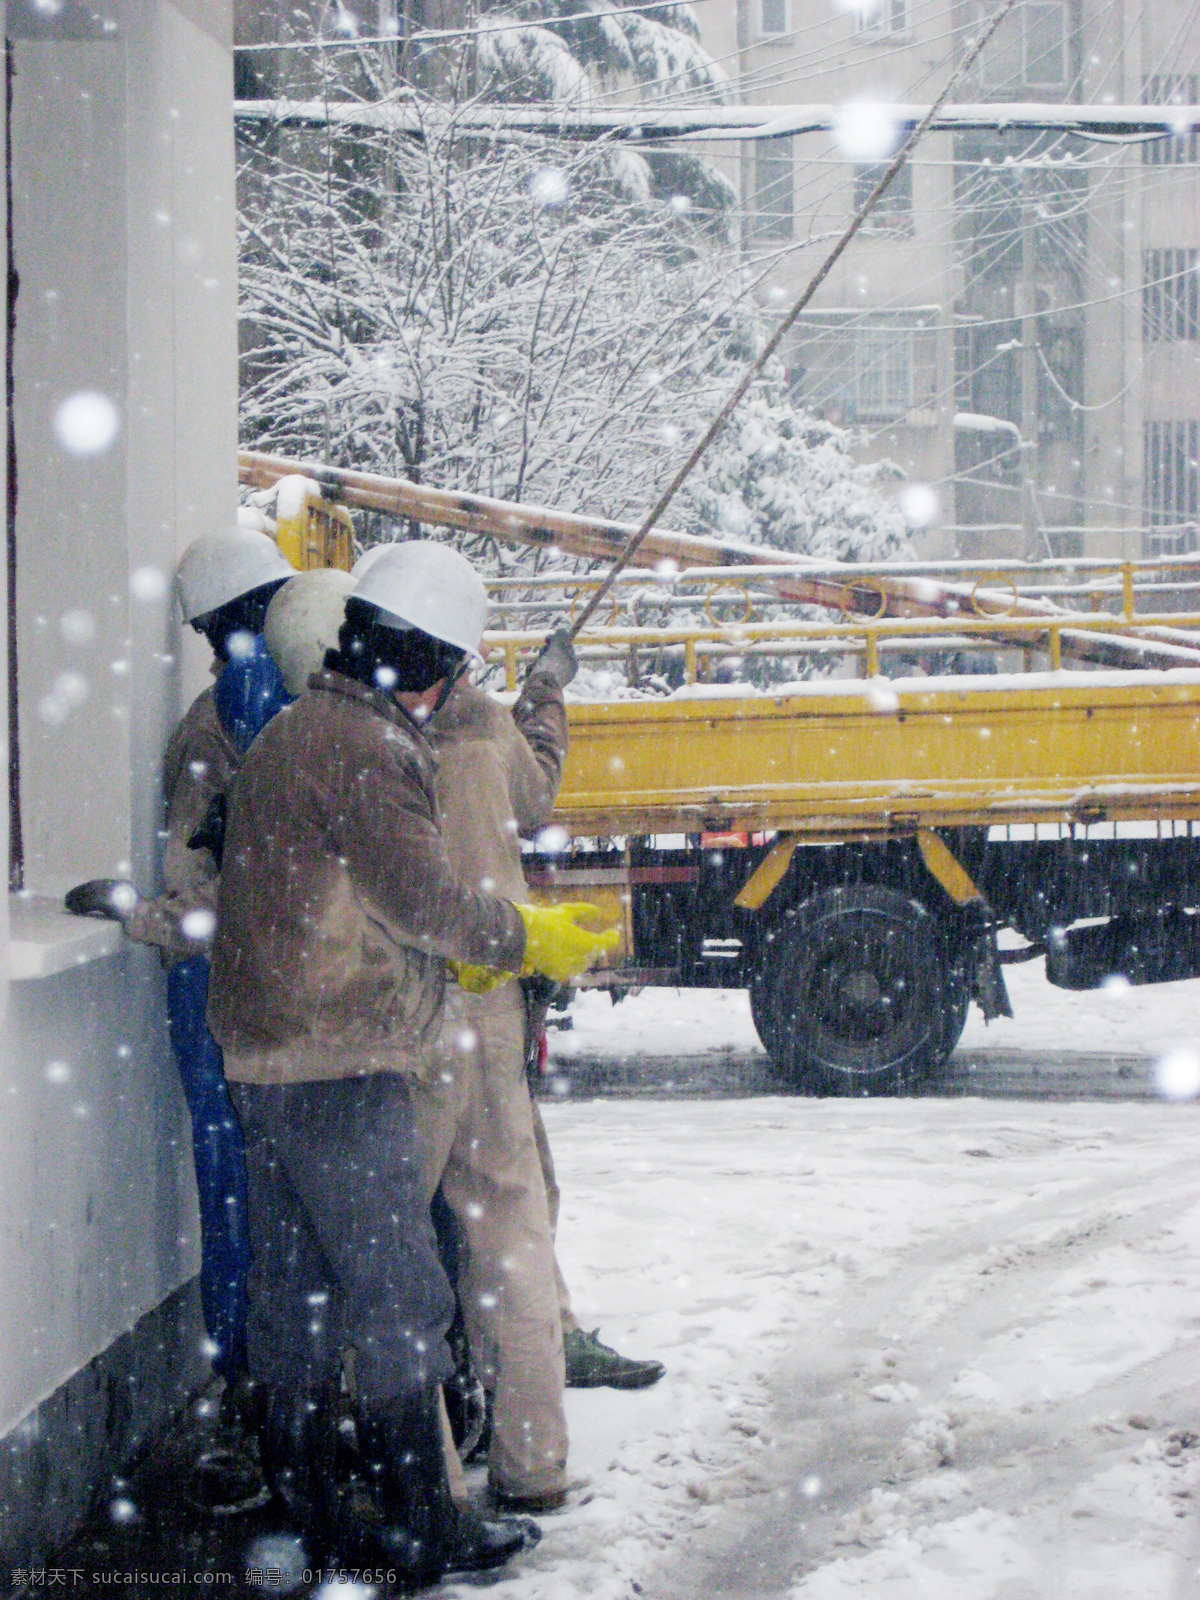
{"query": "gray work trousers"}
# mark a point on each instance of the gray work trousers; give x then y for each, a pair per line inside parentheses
(475, 1129)
(342, 1250)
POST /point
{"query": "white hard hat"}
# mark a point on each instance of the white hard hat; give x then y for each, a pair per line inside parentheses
(368, 559)
(219, 567)
(425, 585)
(302, 622)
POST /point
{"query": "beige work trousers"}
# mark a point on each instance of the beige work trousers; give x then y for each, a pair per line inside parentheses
(474, 1127)
(566, 1316)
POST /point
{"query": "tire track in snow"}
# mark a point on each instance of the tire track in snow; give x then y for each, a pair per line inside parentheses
(946, 1307)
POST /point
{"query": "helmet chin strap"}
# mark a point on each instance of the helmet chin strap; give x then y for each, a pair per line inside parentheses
(447, 687)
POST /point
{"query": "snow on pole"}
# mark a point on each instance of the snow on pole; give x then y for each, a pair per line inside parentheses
(647, 125)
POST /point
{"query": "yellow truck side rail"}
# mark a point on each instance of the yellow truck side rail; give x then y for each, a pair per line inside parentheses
(1170, 635)
(869, 756)
(854, 759)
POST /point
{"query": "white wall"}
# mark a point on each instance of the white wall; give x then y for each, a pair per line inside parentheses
(124, 237)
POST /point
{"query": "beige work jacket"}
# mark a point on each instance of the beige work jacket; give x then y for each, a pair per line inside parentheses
(498, 775)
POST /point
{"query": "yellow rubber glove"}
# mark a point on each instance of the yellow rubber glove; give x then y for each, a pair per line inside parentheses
(478, 980)
(557, 944)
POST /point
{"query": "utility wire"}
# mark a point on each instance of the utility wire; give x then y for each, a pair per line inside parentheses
(756, 367)
(351, 41)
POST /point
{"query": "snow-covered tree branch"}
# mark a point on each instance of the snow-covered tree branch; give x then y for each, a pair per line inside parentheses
(526, 321)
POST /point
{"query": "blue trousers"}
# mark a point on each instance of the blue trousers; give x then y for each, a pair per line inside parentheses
(220, 1157)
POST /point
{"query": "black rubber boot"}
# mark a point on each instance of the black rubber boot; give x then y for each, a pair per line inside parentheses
(480, 1546)
(227, 1477)
(466, 1399)
(297, 1445)
(408, 1521)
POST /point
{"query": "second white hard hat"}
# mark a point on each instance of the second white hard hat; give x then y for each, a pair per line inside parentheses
(302, 622)
(428, 586)
(224, 565)
(367, 560)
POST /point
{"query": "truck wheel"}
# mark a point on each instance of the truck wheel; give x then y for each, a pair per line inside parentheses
(762, 1009)
(863, 998)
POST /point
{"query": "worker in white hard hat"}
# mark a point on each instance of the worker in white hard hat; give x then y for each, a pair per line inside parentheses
(303, 622)
(225, 582)
(337, 916)
(483, 1140)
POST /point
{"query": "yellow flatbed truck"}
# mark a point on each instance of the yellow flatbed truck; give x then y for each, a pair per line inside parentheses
(848, 849)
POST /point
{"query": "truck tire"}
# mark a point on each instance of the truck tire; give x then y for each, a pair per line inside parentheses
(860, 994)
(762, 1010)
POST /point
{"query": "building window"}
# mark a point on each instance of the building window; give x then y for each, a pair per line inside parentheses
(883, 373)
(868, 367)
(1031, 49)
(773, 17)
(1171, 475)
(773, 189)
(1171, 89)
(883, 16)
(1044, 45)
(893, 214)
(1170, 295)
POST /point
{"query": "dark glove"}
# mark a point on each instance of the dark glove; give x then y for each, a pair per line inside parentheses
(557, 660)
(110, 898)
(210, 835)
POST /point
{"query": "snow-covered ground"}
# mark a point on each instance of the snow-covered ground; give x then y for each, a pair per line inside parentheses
(917, 1349)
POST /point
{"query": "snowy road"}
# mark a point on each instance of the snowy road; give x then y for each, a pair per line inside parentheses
(1104, 1043)
(917, 1349)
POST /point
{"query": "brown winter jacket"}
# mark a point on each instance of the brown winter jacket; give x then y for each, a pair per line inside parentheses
(498, 775)
(337, 903)
(201, 763)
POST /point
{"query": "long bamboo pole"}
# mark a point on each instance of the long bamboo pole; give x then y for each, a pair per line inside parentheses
(593, 538)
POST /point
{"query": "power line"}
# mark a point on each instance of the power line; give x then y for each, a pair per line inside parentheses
(756, 367)
(352, 41)
(647, 124)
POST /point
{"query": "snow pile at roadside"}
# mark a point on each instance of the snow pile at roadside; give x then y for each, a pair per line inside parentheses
(916, 1350)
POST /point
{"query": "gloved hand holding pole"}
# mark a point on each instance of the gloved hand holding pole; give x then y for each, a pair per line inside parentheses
(557, 659)
(557, 944)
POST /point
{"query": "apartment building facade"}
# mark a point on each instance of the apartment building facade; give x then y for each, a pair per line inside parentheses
(1017, 325)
